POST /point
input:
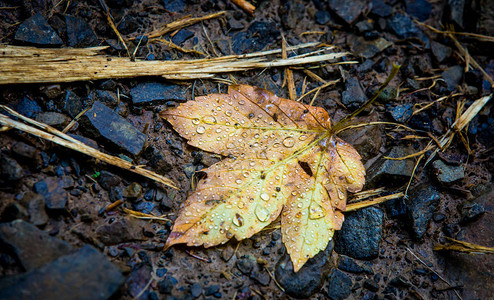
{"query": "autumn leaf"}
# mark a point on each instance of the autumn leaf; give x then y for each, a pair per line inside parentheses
(281, 158)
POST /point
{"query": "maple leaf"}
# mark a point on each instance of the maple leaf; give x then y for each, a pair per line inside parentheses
(281, 158)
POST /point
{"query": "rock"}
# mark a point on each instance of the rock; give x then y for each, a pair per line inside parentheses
(85, 274)
(35, 206)
(340, 285)
(401, 112)
(371, 285)
(366, 140)
(368, 49)
(182, 36)
(137, 281)
(133, 190)
(28, 107)
(360, 235)
(452, 76)
(354, 94)
(420, 9)
(348, 11)
(13, 211)
(393, 172)
(119, 232)
(421, 205)
(309, 279)
(85, 140)
(108, 180)
(36, 31)
(196, 290)
(257, 37)
(404, 27)
(32, 247)
(103, 123)
(53, 119)
(348, 264)
(456, 11)
(79, 33)
(73, 104)
(189, 170)
(396, 208)
(471, 212)
(175, 5)
(53, 193)
(246, 264)
(380, 8)
(322, 17)
(211, 290)
(108, 98)
(447, 174)
(364, 26)
(291, 13)
(149, 93)
(10, 170)
(440, 51)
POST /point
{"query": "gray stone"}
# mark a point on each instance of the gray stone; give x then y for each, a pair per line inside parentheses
(360, 235)
(148, 93)
(119, 232)
(354, 94)
(421, 205)
(35, 206)
(73, 104)
(471, 212)
(36, 31)
(447, 174)
(103, 123)
(393, 172)
(349, 11)
(85, 274)
(53, 193)
(32, 247)
(452, 76)
(440, 51)
(401, 112)
(53, 119)
(10, 170)
(368, 49)
(340, 286)
(79, 33)
(309, 279)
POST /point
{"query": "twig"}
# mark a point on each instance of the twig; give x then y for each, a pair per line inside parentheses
(58, 137)
(288, 73)
(359, 205)
(109, 18)
(174, 46)
(245, 6)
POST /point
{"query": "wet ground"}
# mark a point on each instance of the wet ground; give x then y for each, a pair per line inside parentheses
(54, 230)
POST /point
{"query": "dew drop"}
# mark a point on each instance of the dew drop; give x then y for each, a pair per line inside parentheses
(218, 130)
(238, 181)
(200, 129)
(265, 196)
(262, 213)
(299, 205)
(302, 137)
(241, 205)
(241, 102)
(238, 220)
(209, 119)
(230, 146)
(315, 211)
(246, 174)
(288, 142)
(196, 121)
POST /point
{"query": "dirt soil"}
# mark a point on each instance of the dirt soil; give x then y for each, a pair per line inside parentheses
(377, 34)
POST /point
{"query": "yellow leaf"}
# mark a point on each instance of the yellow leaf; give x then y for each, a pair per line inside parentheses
(281, 157)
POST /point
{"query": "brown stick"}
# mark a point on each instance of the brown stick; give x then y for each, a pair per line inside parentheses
(33, 65)
(245, 6)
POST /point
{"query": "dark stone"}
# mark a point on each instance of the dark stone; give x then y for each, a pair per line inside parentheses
(438, 217)
(420, 9)
(85, 140)
(182, 36)
(340, 286)
(421, 122)
(380, 8)
(349, 11)
(196, 290)
(189, 170)
(53, 119)
(28, 107)
(137, 281)
(85, 274)
(36, 31)
(35, 206)
(10, 170)
(53, 193)
(447, 174)
(246, 264)
(360, 235)
(309, 279)
(367, 140)
(175, 5)
(119, 232)
(452, 76)
(73, 104)
(393, 172)
(322, 17)
(108, 180)
(348, 264)
(32, 247)
(396, 208)
(364, 26)
(161, 272)
(128, 24)
(440, 51)
(404, 27)
(455, 11)
(401, 112)
(291, 13)
(354, 94)
(257, 37)
(79, 33)
(133, 190)
(149, 93)
(108, 98)
(371, 285)
(211, 290)
(471, 212)
(421, 203)
(102, 122)
(367, 49)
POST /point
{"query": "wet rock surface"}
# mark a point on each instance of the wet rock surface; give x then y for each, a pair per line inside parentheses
(339, 285)
(53, 192)
(360, 236)
(421, 205)
(395, 172)
(447, 174)
(154, 93)
(36, 31)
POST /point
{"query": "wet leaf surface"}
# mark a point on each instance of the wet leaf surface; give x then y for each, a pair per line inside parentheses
(281, 158)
